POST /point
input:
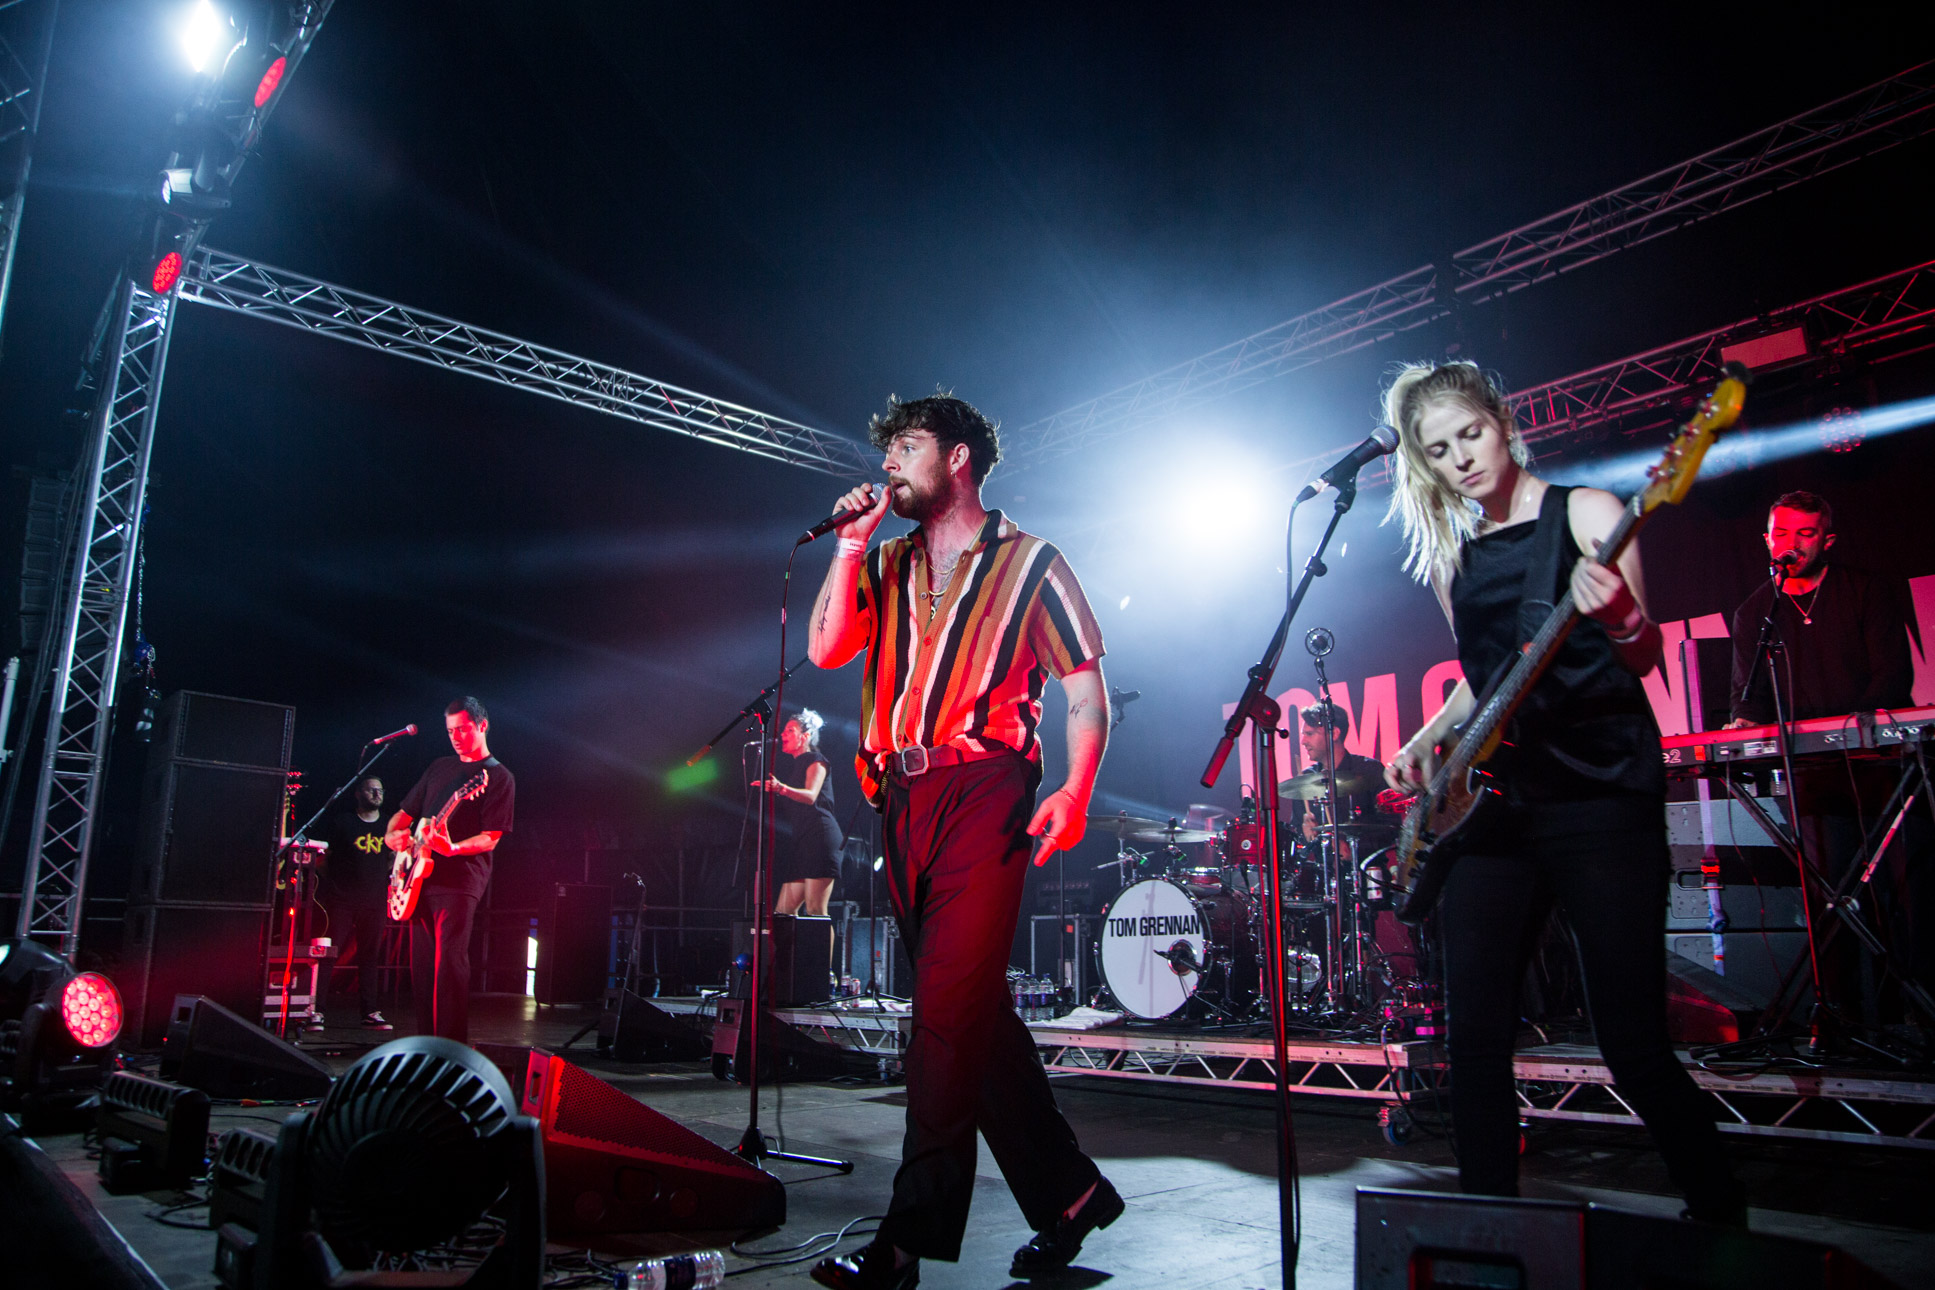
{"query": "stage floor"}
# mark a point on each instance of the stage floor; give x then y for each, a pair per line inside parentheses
(1194, 1161)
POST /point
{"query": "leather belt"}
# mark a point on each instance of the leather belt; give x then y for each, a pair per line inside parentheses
(904, 764)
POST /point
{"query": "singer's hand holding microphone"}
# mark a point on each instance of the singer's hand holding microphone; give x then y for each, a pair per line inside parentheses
(855, 516)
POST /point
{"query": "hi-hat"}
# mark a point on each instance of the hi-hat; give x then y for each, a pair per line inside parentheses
(1134, 828)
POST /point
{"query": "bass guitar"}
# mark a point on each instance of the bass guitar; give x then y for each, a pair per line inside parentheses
(1466, 786)
(411, 867)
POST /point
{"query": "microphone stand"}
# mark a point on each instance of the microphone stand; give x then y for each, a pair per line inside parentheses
(753, 1147)
(1262, 713)
(1768, 646)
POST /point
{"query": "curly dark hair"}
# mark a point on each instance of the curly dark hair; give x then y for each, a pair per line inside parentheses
(949, 420)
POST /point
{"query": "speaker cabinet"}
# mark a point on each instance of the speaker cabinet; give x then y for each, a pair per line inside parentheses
(633, 1029)
(208, 834)
(233, 732)
(212, 1049)
(170, 950)
(612, 1164)
(798, 960)
(786, 1053)
(574, 943)
(1425, 1240)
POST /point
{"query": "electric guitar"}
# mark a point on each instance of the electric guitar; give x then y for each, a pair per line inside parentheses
(410, 868)
(1467, 786)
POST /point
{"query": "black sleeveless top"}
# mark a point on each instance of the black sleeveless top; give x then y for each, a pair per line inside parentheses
(1586, 749)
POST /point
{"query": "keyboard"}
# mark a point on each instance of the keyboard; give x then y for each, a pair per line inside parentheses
(1860, 734)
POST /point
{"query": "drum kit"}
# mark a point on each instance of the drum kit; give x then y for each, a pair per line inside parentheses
(1185, 936)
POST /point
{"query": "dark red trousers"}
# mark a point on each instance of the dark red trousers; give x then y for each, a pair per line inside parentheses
(957, 850)
(440, 962)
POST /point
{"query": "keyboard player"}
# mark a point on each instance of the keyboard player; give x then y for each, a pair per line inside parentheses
(1844, 649)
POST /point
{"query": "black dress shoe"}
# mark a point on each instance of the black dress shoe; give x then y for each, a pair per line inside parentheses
(1056, 1246)
(871, 1268)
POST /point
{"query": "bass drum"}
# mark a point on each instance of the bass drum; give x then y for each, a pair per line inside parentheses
(1154, 948)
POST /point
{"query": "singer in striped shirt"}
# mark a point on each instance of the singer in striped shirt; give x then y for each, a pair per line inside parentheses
(963, 620)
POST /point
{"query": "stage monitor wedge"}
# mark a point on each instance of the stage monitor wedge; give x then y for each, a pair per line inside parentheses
(614, 1165)
(786, 1053)
(634, 1029)
(210, 1048)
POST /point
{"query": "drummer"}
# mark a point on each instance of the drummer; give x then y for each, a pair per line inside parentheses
(1358, 781)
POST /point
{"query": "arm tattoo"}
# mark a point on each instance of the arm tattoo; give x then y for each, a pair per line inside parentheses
(1081, 705)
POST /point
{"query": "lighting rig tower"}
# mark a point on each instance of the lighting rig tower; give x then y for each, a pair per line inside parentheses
(243, 64)
(26, 36)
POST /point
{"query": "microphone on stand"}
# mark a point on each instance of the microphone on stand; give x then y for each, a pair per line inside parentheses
(404, 733)
(1382, 442)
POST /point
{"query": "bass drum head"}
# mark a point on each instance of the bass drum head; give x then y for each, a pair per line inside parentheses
(1151, 915)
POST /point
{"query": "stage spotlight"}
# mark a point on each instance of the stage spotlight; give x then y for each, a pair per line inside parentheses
(204, 35)
(57, 1029)
(153, 1133)
(271, 78)
(412, 1147)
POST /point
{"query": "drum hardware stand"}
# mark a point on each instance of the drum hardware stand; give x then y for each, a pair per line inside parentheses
(753, 1147)
(1262, 714)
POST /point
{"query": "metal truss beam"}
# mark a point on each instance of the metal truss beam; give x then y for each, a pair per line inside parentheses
(26, 37)
(91, 611)
(1870, 319)
(1814, 143)
(307, 304)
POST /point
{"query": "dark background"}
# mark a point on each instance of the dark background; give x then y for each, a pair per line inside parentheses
(806, 209)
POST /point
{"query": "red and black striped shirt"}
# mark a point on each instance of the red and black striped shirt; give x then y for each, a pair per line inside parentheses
(969, 675)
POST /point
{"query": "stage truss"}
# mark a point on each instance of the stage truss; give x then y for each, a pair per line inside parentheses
(231, 283)
(1858, 125)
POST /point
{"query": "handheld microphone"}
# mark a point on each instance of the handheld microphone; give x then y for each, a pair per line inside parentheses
(1382, 442)
(830, 523)
(393, 735)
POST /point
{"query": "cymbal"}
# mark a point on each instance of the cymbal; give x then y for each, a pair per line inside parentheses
(1315, 783)
(1134, 828)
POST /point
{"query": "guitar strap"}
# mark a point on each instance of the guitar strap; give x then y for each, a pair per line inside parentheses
(1542, 567)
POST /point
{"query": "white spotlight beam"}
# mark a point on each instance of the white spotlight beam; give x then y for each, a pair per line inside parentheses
(242, 286)
(1814, 143)
(1869, 317)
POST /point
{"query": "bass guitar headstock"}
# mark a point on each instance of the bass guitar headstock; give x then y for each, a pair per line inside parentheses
(1673, 475)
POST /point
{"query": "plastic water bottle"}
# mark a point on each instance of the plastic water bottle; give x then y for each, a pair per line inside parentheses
(703, 1270)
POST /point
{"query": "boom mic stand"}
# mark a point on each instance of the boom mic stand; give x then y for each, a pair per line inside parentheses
(1262, 713)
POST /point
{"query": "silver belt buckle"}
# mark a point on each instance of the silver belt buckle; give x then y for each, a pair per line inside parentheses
(913, 761)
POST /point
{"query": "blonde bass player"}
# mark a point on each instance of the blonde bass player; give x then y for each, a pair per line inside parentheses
(460, 850)
(1583, 818)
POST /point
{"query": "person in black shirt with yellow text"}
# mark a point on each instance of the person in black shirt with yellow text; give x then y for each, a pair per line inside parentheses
(447, 906)
(1584, 815)
(355, 881)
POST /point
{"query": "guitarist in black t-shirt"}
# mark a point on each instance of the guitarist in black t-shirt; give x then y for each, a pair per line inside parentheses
(460, 851)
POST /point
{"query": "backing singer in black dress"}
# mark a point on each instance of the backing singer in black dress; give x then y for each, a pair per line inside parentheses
(807, 836)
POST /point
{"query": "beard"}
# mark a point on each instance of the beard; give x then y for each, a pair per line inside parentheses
(913, 502)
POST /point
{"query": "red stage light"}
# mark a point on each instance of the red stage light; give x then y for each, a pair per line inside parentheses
(91, 1008)
(265, 88)
(167, 269)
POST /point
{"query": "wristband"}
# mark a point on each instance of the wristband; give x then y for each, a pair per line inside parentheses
(849, 549)
(1638, 631)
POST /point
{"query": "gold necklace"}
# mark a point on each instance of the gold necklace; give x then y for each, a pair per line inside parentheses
(1807, 614)
(934, 597)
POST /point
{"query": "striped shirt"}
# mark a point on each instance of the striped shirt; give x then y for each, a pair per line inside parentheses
(971, 674)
